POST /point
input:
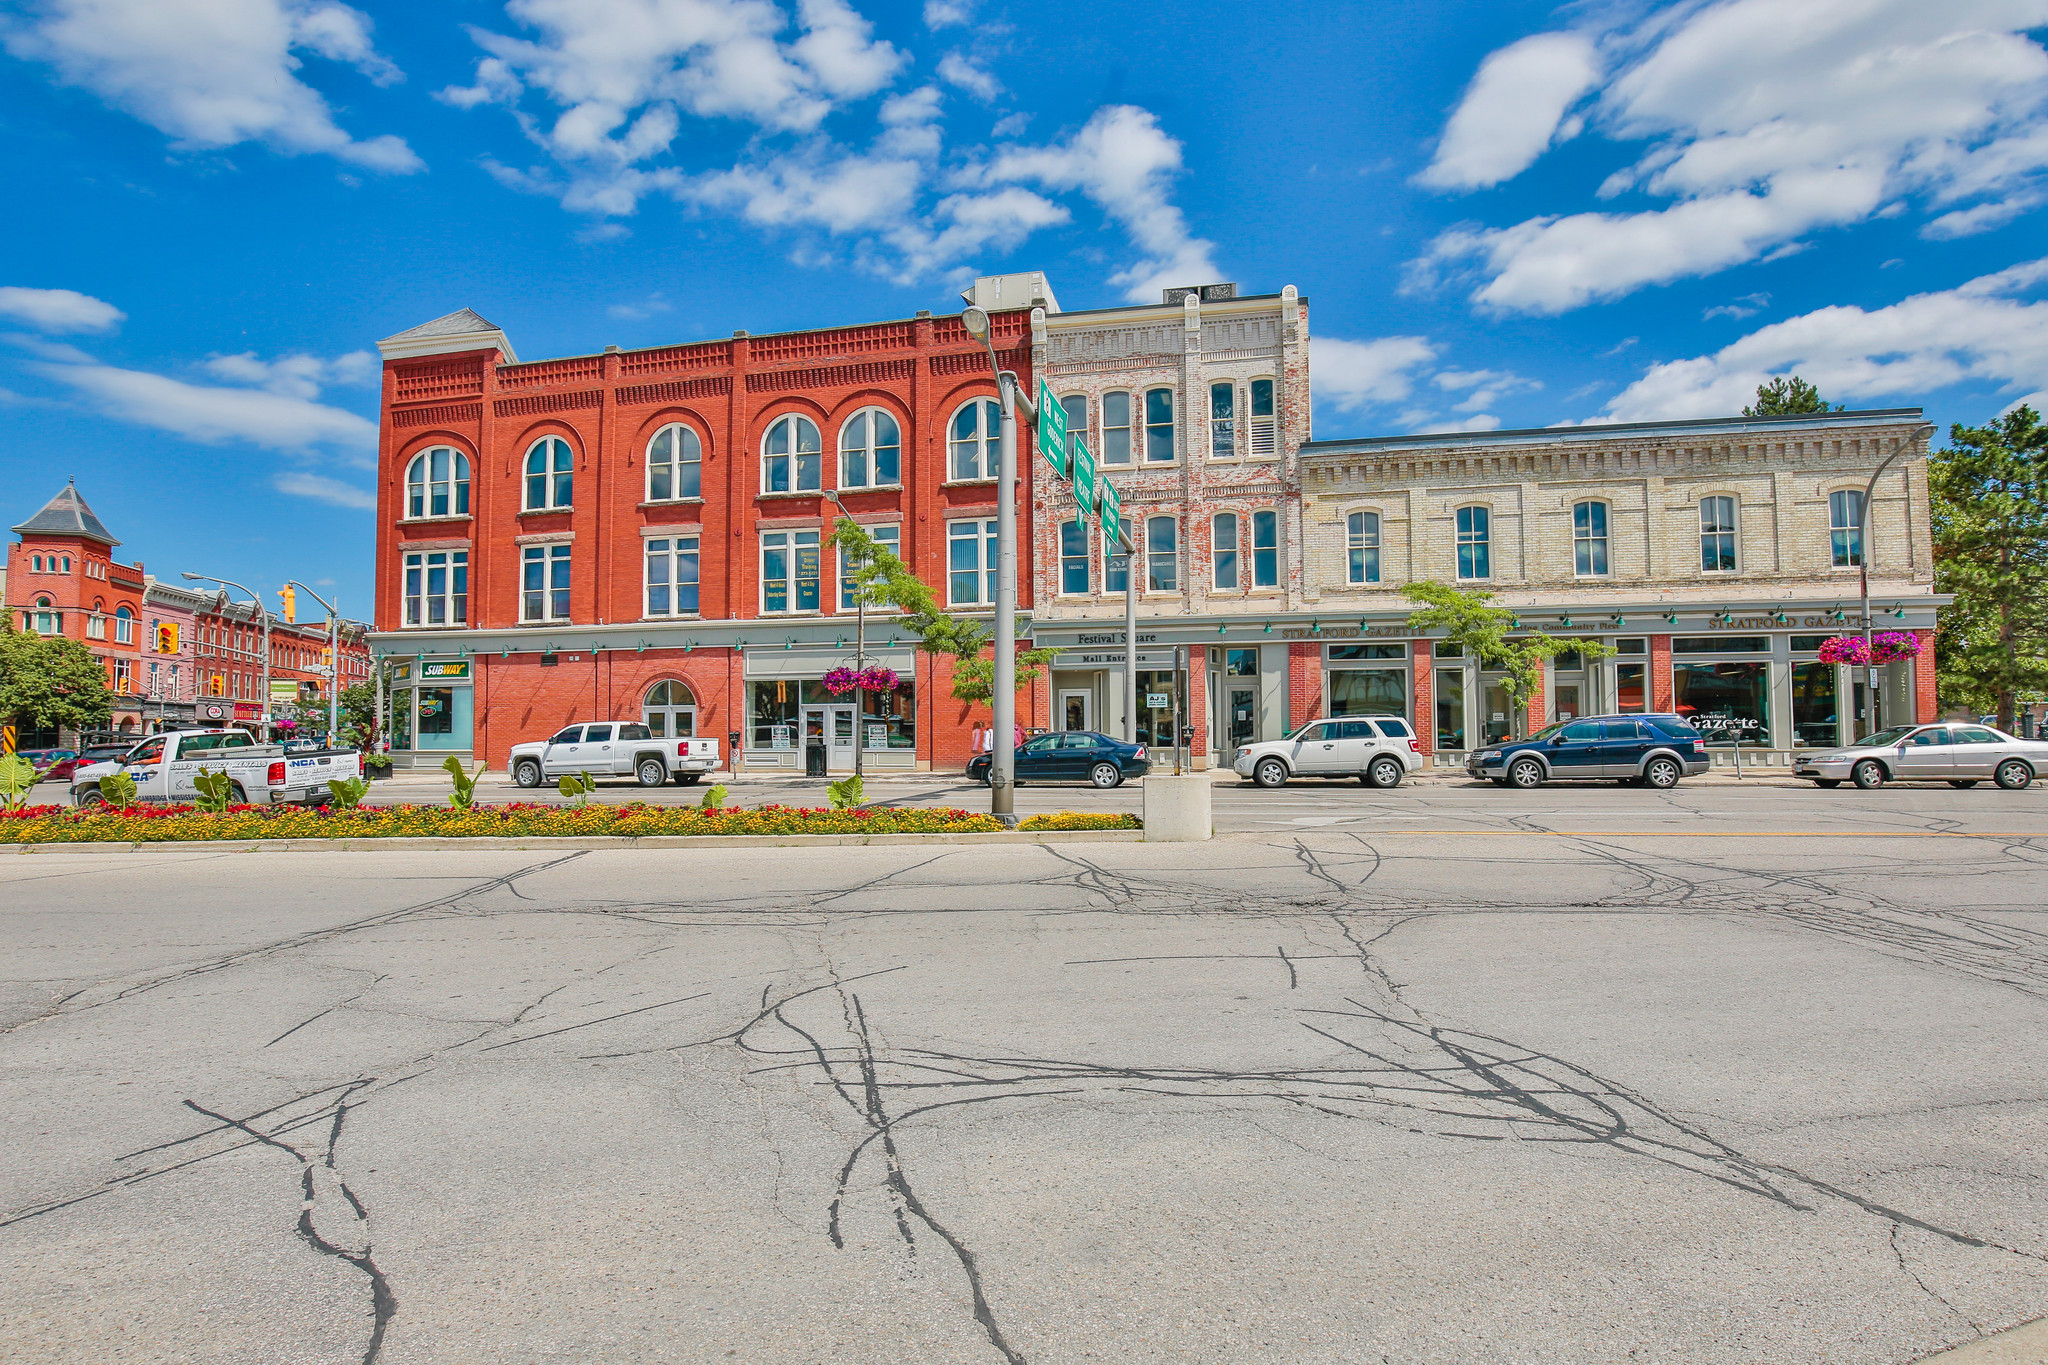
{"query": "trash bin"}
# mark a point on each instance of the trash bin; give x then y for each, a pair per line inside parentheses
(814, 758)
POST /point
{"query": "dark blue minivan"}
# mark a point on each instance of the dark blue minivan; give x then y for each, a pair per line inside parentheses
(1649, 750)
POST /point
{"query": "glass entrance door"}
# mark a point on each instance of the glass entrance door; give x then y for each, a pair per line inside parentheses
(831, 726)
(1074, 711)
(1244, 716)
(1496, 717)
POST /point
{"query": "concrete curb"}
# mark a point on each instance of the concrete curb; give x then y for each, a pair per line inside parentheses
(2026, 1344)
(1039, 836)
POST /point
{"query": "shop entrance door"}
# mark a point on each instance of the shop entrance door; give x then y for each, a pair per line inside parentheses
(1074, 711)
(1244, 716)
(831, 726)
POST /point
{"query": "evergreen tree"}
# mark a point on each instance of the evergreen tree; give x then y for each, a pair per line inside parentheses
(1788, 397)
(1990, 508)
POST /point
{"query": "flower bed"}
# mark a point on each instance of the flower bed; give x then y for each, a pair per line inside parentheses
(1075, 819)
(151, 824)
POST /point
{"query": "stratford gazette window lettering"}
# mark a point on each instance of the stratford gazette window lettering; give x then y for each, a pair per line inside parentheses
(675, 464)
(672, 576)
(1729, 703)
(437, 588)
(789, 571)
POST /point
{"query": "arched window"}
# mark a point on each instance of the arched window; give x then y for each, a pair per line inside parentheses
(38, 563)
(675, 464)
(790, 459)
(47, 622)
(976, 434)
(1158, 426)
(1845, 527)
(1362, 540)
(1717, 535)
(1589, 539)
(67, 563)
(437, 484)
(550, 477)
(670, 711)
(1475, 543)
(870, 450)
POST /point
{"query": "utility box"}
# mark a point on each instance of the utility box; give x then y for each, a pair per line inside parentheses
(1177, 809)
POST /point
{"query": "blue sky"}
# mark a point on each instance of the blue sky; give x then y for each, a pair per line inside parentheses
(1504, 214)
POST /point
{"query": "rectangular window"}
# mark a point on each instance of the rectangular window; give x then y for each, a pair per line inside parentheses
(1354, 652)
(1369, 692)
(544, 587)
(1116, 429)
(1721, 644)
(1815, 705)
(1158, 426)
(1808, 644)
(1241, 663)
(1362, 535)
(437, 588)
(1074, 555)
(1076, 407)
(1450, 709)
(1162, 554)
(1717, 535)
(971, 562)
(1630, 692)
(789, 571)
(672, 574)
(1589, 539)
(1475, 548)
(1265, 549)
(1223, 421)
(1265, 430)
(1728, 703)
(95, 627)
(1223, 550)
(1116, 565)
(889, 538)
(1845, 527)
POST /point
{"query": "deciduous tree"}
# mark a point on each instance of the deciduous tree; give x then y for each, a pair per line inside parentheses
(1493, 637)
(50, 680)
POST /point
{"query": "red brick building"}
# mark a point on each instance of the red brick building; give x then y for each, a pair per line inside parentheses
(63, 579)
(645, 534)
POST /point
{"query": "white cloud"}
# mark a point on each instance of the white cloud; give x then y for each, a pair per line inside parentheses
(211, 414)
(840, 49)
(849, 194)
(1513, 110)
(59, 310)
(297, 375)
(320, 488)
(1482, 388)
(214, 73)
(1764, 126)
(971, 223)
(1984, 330)
(948, 13)
(960, 71)
(1352, 376)
(639, 312)
(1746, 306)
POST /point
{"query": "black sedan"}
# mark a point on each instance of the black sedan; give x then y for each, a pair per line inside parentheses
(1071, 756)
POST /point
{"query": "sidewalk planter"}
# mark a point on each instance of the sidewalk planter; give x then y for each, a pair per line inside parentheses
(1177, 808)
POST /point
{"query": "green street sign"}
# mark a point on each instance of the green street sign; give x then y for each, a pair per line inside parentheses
(1111, 508)
(1052, 430)
(1086, 486)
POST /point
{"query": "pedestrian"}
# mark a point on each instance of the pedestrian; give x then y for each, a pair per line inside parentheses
(980, 738)
(1018, 742)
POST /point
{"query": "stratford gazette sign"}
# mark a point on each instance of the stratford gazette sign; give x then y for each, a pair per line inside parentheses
(1755, 623)
(1400, 632)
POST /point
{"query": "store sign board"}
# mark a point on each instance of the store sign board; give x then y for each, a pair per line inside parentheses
(448, 670)
(283, 689)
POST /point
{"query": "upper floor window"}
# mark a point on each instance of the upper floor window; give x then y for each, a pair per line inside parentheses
(1116, 559)
(889, 538)
(1158, 425)
(437, 484)
(1162, 554)
(544, 586)
(95, 624)
(1475, 543)
(1222, 421)
(1266, 549)
(675, 464)
(1223, 550)
(976, 432)
(37, 563)
(1362, 542)
(1265, 435)
(1589, 539)
(1845, 527)
(1074, 555)
(791, 456)
(1116, 429)
(550, 476)
(1717, 535)
(124, 626)
(789, 571)
(437, 588)
(671, 576)
(870, 450)
(47, 622)
(971, 562)
(1075, 405)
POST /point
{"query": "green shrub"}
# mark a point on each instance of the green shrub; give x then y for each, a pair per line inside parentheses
(464, 795)
(17, 776)
(847, 794)
(216, 790)
(1074, 819)
(713, 799)
(118, 789)
(577, 788)
(347, 793)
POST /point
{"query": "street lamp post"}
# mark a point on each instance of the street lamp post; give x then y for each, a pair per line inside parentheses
(1864, 549)
(860, 661)
(1002, 765)
(333, 660)
(263, 613)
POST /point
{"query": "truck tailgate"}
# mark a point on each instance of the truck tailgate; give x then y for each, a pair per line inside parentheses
(317, 770)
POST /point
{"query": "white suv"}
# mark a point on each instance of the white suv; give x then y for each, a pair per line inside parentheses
(1377, 750)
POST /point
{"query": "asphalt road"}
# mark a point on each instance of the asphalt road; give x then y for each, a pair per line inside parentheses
(1320, 1095)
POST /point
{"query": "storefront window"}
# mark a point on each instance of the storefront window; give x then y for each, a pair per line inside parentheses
(437, 710)
(1155, 722)
(1728, 703)
(1630, 692)
(1450, 708)
(1815, 712)
(1369, 692)
(1348, 652)
(1241, 663)
(773, 709)
(890, 720)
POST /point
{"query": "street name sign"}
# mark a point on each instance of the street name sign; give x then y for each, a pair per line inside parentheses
(1111, 507)
(1086, 487)
(1052, 430)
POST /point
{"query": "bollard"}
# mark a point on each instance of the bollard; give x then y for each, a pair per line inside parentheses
(1177, 808)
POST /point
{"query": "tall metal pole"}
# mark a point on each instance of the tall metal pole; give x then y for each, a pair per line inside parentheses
(1130, 636)
(264, 613)
(1002, 768)
(1866, 546)
(860, 667)
(333, 660)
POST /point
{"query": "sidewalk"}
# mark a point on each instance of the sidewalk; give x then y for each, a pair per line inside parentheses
(427, 777)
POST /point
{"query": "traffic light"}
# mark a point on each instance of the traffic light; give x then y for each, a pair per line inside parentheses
(291, 603)
(219, 685)
(166, 637)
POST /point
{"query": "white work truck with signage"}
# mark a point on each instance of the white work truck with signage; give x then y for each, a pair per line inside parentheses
(164, 768)
(607, 748)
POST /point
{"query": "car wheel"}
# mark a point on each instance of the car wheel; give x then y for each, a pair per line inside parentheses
(652, 772)
(1663, 773)
(1526, 773)
(1962, 783)
(1869, 774)
(92, 798)
(1830, 783)
(1105, 775)
(526, 773)
(688, 779)
(236, 796)
(2014, 775)
(1384, 773)
(1270, 772)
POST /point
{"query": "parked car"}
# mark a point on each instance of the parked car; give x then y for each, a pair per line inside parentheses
(44, 759)
(85, 758)
(1071, 756)
(609, 748)
(1651, 750)
(1960, 755)
(164, 766)
(1377, 750)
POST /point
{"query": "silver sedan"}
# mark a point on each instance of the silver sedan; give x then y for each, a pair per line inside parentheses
(1960, 755)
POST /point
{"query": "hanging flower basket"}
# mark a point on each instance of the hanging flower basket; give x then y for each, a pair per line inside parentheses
(1886, 646)
(842, 680)
(878, 679)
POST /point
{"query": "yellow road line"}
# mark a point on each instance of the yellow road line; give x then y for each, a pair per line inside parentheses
(1701, 833)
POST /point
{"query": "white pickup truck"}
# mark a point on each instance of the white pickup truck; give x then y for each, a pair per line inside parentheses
(163, 767)
(608, 748)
